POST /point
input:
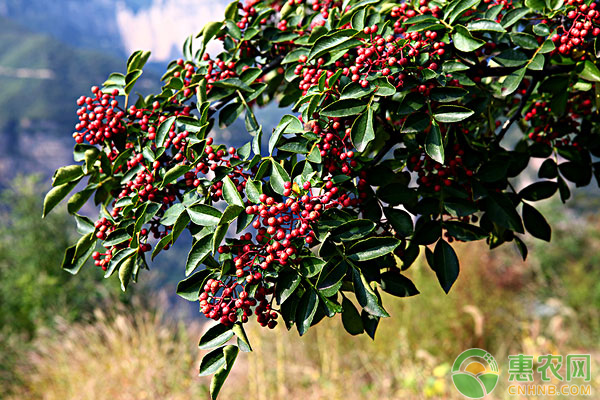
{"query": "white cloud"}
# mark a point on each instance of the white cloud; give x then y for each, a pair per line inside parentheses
(164, 26)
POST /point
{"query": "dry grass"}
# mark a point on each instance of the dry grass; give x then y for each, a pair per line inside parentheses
(121, 356)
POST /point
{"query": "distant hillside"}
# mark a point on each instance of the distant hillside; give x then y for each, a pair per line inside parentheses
(82, 23)
(40, 77)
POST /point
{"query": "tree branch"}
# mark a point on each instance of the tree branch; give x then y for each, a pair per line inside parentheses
(485, 71)
(519, 111)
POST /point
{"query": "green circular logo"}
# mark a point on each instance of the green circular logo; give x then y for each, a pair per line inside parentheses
(475, 373)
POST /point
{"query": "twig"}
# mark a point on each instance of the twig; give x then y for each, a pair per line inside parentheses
(388, 146)
(519, 111)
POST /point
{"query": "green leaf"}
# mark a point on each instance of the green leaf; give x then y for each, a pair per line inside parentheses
(216, 336)
(209, 31)
(541, 30)
(56, 194)
(145, 214)
(511, 58)
(73, 265)
(118, 259)
(231, 194)
(174, 173)
(537, 5)
(457, 7)
(485, 25)
(288, 124)
(463, 231)
(170, 216)
(243, 342)
(400, 221)
(230, 354)
(464, 41)
(539, 190)
(445, 264)
(535, 223)
(514, 15)
(336, 41)
(84, 224)
(67, 174)
(287, 283)
(204, 215)
(311, 266)
(371, 248)
(343, 108)
(366, 296)
(362, 130)
(189, 288)
(383, 87)
(370, 323)
(452, 113)
(397, 285)
(231, 11)
(253, 190)
(278, 177)
(524, 40)
(358, 19)
(130, 80)
(589, 72)
(78, 200)
(351, 318)
(447, 94)
(137, 60)
(548, 169)
(537, 63)
(230, 214)
(355, 91)
(117, 236)
(330, 279)
(212, 362)
(434, 144)
(200, 250)
(512, 82)
(125, 271)
(306, 310)
(352, 230)
(218, 236)
(233, 83)
(502, 211)
(162, 133)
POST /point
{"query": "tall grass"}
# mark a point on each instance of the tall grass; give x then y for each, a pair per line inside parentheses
(124, 355)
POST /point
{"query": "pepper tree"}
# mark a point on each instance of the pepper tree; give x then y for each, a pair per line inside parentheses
(393, 144)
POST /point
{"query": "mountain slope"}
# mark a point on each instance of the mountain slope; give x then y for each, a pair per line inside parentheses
(40, 78)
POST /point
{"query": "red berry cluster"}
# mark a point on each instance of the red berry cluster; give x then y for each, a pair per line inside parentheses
(583, 27)
(214, 157)
(544, 127)
(404, 12)
(224, 301)
(99, 117)
(435, 175)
